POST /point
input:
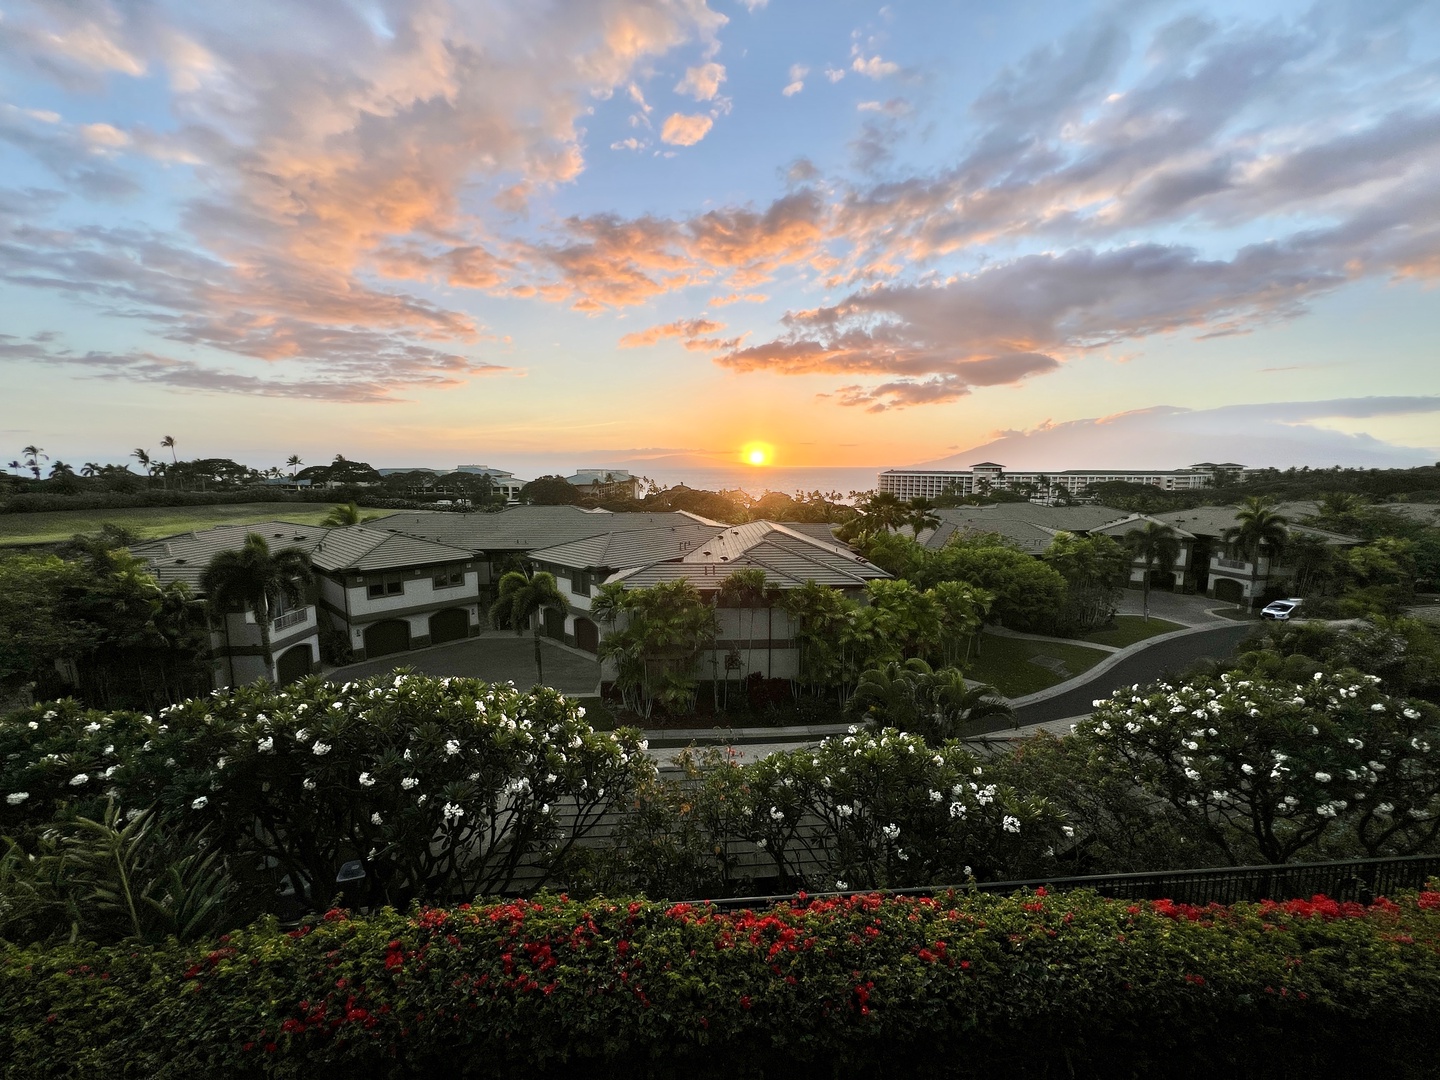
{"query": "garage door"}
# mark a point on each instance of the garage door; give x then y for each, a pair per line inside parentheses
(1229, 589)
(587, 635)
(391, 636)
(452, 624)
(294, 663)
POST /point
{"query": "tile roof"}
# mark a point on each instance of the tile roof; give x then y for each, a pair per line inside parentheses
(528, 528)
(789, 558)
(1215, 520)
(1118, 529)
(1030, 525)
(185, 556)
(360, 547)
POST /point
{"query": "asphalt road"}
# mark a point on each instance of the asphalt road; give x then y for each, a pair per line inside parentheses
(1168, 658)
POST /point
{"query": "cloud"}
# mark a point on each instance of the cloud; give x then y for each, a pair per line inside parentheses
(703, 82)
(834, 74)
(681, 129)
(736, 298)
(1270, 434)
(690, 332)
(797, 80)
(872, 67)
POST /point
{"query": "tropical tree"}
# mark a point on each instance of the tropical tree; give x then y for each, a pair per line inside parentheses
(33, 456)
(522, 597)
(744, 589)
(254, 577)
(14, 466)
(169, 443)
(1092, 567)
(879, 512)
(142, 456)
(294, 462)
(1258, 530)
(666, 628)
(936, 705)
(341, 516)
(1158, 547)
(922, 515)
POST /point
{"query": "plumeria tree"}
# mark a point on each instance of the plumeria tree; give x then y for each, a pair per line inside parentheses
(439, 787)
(1270, 768)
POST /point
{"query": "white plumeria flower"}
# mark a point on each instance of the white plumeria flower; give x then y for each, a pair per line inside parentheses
(1068, 830)
(408, 783)
(1323, 777)
(15, 798)
(265, 745)
(308, 784)
(303, 735)
(200, 803)
(891, 831)
(320, 749)
(375, 818)
(452, 747)
(92, 727)
(761, 843)
(366, 780)
(33, 726)
(1010, 824)
(79, 779)
(935, 796)
(957, 810)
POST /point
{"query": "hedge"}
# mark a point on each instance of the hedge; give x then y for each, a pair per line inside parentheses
(864, 985)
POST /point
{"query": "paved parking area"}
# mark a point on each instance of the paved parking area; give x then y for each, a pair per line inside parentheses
(492, 657)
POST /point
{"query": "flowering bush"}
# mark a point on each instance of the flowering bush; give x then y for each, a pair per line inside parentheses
(1273, 767)
(442, 787)
(961, 985)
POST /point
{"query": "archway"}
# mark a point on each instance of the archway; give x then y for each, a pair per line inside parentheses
(452, 624)
(1228, 589)
(294, 663)
(587, 635)
(390, 636)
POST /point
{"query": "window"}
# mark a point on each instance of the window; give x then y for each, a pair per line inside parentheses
(448, 579)
(389, 585)
(580, 582)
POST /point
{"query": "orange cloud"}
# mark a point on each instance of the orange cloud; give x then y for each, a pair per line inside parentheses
(681, 129)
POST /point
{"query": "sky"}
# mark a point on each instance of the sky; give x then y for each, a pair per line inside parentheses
(546, 234)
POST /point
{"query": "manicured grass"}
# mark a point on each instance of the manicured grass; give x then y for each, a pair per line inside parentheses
(1129, 629)
(49, 526)
(1004, 663)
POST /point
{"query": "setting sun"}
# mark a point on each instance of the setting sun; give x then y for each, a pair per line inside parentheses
(756, 453)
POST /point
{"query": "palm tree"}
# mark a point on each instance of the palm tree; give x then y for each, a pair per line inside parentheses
(92, 468)
(922, 515)
(14, 466)
(1158, 546)
(341, 516)
(143, 457)
(32, 455)
(254, 578)
(294, 462)
(521, 598)
(169, 443)
(1258, 528)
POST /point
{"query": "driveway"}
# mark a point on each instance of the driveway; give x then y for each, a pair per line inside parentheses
(492, 657)
(1174, 607)
(1163, 659)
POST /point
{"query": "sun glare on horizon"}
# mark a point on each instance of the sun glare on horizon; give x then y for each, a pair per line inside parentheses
(756, 453)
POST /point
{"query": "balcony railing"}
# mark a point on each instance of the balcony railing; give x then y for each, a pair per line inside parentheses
(289, 619)
(1230, 564)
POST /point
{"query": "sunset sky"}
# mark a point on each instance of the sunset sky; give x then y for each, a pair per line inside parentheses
(579, 232)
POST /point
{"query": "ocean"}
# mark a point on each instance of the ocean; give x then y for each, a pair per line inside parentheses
(755, 481)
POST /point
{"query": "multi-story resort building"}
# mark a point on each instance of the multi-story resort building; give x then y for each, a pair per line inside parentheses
(988, 476)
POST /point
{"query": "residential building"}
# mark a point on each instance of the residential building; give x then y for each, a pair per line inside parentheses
(235, 642)
(988, 476)
(751, 640)
(609, 481)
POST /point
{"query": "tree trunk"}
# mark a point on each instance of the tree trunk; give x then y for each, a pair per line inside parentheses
(539, 671)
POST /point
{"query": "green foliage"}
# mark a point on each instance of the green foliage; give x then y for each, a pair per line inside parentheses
(936, 705)
(961, 986)
(521, 599)
(550, 491)
(1093, 568)
(441, 787)
(1267, 768)
(255, 579)
(657, 638)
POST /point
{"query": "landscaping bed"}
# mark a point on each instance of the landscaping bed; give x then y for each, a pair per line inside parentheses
(957, 985)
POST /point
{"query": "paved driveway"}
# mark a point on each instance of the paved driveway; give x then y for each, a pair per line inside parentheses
(497, 658)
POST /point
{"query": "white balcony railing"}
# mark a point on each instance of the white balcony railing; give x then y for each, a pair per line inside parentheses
(289, 619)
(1231, 564)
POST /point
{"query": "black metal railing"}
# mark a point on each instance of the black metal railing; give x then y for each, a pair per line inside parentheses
(1349, 879)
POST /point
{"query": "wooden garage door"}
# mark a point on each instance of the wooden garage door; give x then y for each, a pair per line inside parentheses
(294, 663)
(452, 624)
(391, 636)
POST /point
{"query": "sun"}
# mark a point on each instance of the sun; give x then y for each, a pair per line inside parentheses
(757, 453)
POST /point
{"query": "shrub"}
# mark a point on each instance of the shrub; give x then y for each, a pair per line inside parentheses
(441, 787)
(960, 986)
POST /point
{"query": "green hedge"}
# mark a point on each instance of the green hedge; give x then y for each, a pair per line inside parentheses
(964, 985)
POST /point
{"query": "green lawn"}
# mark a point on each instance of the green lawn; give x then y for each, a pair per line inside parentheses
(1005, 663)
(1129, 629)
(48, 526)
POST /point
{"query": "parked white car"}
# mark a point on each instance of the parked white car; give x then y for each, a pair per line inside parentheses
(1280, 610)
